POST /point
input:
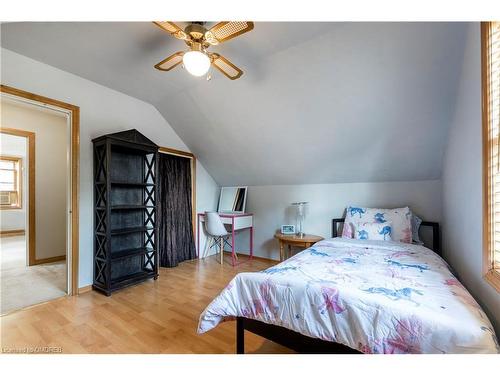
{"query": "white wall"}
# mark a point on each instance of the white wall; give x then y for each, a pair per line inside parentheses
(206, 200)
(102, 111)
(462, 183)
(51, 142)
(11, 145)
(207, 191)
(271, 206)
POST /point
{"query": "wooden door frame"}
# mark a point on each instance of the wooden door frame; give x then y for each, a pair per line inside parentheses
(188, 155)
(75, 173)
(30, 209)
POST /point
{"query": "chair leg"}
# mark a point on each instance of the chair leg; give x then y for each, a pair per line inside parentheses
(207, 247)
(221, 250)
(226, 241)
(214, 243)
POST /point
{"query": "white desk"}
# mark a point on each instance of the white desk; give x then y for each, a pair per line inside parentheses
(237, 222)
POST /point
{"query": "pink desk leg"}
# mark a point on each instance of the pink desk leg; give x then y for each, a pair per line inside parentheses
(232, 242)
(251, 242)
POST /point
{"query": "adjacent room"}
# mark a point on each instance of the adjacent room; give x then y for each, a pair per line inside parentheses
(246, 187)
(33, 213)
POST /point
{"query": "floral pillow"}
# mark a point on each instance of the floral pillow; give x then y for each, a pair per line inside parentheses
(400, 218)
(373, 231)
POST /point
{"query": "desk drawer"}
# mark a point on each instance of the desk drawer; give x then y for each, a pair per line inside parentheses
(243, 222)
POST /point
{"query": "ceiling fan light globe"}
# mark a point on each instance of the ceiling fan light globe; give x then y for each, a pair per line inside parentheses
(196, 63)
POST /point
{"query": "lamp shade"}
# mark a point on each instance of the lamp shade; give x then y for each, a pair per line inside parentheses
(197, 63)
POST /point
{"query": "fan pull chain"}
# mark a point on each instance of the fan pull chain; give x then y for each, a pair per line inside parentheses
(209, 75)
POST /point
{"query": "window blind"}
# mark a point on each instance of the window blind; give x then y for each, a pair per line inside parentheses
(492, 112)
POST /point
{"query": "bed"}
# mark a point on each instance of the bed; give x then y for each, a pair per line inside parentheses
(356, 296)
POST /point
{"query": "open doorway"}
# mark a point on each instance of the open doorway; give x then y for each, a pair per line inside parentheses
(38, 200)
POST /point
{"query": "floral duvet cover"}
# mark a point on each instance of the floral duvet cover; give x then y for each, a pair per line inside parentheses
(373, 296)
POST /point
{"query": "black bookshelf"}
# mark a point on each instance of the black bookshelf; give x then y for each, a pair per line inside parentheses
(125, 210)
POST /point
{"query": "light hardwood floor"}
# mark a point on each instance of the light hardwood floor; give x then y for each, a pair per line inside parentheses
(153, 317)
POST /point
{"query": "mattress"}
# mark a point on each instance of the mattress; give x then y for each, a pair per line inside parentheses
(373, 296)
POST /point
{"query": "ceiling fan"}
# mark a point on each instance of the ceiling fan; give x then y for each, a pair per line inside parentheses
(197, 60)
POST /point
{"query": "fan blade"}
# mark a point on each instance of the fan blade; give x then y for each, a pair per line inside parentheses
(172, 29)
(170, 62)
(224, 31)
(226, 67)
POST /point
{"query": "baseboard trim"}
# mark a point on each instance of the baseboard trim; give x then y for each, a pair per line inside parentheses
(12, 233)
(84, 289)
(270, 260)
(49, 260)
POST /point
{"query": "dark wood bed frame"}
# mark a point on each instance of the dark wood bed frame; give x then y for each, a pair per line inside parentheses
(296, 341)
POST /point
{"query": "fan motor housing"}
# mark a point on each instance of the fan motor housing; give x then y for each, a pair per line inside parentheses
(196, 31)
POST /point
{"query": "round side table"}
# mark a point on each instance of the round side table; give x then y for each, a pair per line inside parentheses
(293, 240)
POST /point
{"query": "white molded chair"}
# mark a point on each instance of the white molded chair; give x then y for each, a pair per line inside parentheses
(217, 232)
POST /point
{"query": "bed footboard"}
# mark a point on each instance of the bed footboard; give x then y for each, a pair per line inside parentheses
(287, 338)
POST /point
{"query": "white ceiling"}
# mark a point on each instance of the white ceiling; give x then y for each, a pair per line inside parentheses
(318, 103)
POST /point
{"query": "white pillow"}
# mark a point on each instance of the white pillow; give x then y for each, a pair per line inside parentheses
(400, 218)
(373, 231)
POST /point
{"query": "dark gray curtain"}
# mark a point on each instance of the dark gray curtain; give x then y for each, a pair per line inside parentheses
(175, 224)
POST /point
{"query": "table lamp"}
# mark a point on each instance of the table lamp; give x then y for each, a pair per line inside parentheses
(301, 215)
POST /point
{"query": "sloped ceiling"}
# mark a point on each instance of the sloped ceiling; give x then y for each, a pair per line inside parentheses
(318, 103)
